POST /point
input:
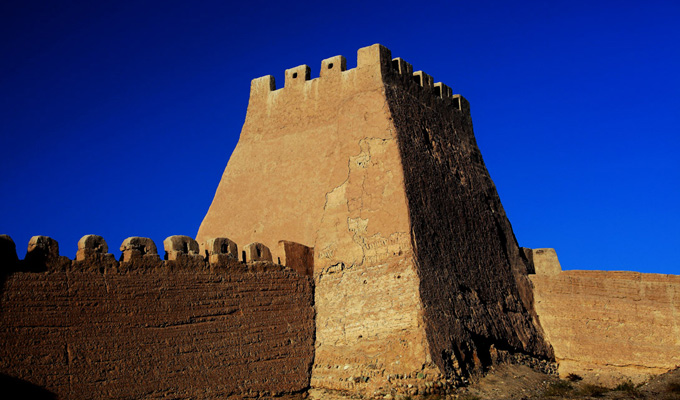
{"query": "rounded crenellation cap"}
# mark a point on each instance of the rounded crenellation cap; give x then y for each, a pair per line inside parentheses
(221, 245)
(8, 254)
(256, 252)
(90, 245)
(42, 247)
(137, 246)
(43, 252)
(180, 245)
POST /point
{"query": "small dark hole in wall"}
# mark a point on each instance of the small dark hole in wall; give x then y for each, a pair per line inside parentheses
(398, 276)
(330, 65)
(365, 282)
(224, 249)
(142, 249)
(243, 255)
(279, 260)
(185, 247)
(294, 75)
(438, 91)
(360, 336)
(259, 252)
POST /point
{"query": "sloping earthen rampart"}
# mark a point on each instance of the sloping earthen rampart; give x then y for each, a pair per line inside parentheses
(418, 275)
(473, 280)
(607, 326)
(403, 274)
(143, 327)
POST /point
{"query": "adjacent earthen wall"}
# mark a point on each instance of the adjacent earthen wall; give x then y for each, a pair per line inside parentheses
(167, 329)
(608, 326)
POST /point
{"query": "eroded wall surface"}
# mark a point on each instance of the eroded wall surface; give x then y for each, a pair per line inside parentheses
(369, 327)
(321, 161)
(342, 155)
(473, 284)
(608, 326)
(165, 330)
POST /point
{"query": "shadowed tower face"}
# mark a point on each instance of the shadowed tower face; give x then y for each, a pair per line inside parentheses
(418, 274)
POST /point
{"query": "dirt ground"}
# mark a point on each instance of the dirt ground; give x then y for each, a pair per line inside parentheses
(523, 383)
(518, 382)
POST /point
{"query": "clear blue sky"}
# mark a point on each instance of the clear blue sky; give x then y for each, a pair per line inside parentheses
(118, 118)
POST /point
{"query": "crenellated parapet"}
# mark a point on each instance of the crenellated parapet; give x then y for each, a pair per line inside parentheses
(375, 66)
(424, 85)
(100, 328)
(181, 252)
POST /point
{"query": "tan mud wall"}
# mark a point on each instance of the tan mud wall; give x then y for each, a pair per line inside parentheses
(319, 162)
(158, 333)
(369, 311)
(294, 150)
(338, 163)
(610, 326)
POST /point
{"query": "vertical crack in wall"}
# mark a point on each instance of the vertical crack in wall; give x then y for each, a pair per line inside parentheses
(354, 205)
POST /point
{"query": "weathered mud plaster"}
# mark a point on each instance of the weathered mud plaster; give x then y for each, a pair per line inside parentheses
(185, 327)
(473, 281)
(608, 326)
(337, 163)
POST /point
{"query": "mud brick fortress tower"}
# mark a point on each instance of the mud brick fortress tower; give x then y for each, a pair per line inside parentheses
(399, 271)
